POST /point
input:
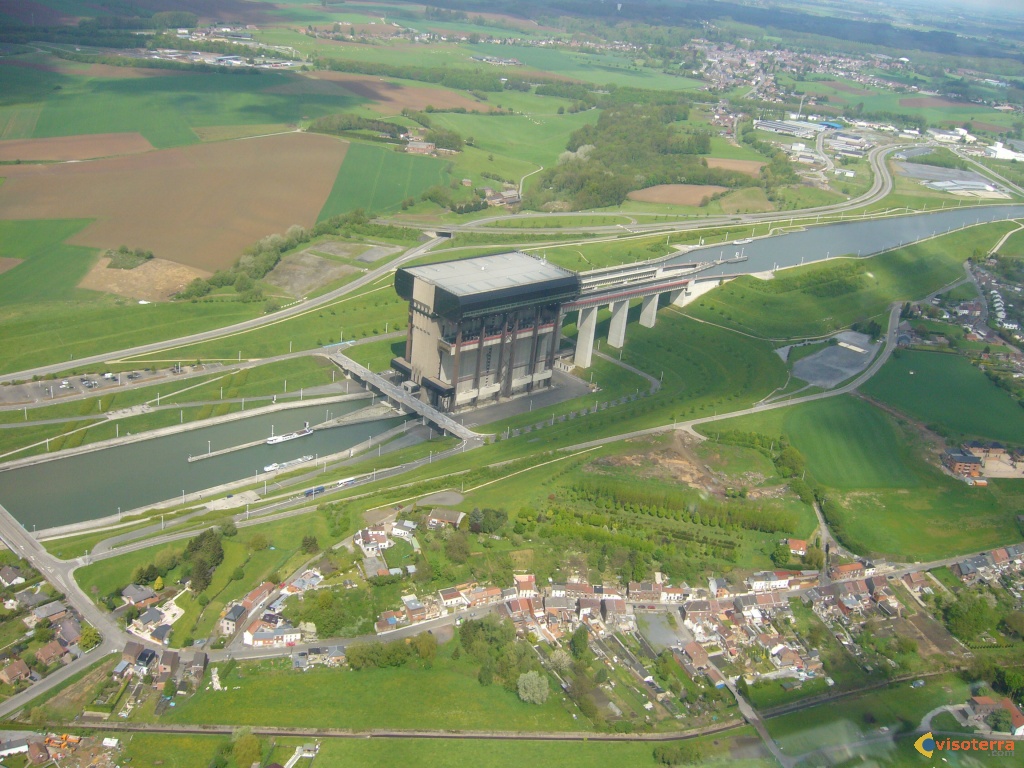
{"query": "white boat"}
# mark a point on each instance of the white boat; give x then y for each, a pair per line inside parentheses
(304, 432)
(745, 241)
(287, 464)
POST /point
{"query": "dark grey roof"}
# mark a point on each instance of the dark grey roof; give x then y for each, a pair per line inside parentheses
(482, 285)
(484, 274)
(234, 613)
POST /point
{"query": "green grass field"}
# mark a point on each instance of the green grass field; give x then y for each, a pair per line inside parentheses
(164, 109)
(948, 391)
(890, 500)
(793, 305)
(445, 697)
(377, 179)
(897, 707)
(44, 318)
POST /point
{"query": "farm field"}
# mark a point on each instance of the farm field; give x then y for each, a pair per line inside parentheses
(377, 179)
(74, 147)
(817, 299)
(199, 206)
(45, 318)
(388, 96)
(889, 497)
(676, 194)
(49, 98)
(947, 391)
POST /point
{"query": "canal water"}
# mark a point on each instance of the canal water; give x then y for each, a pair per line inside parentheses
(853, 238)
(95, 484)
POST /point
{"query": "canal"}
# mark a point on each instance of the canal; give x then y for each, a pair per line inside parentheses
(854, 238)
(95, 484)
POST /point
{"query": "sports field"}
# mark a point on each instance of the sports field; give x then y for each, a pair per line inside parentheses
(946, 390)
(199, 205)
(377, 179)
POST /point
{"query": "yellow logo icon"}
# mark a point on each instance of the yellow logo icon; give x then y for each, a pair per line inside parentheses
(926, 744)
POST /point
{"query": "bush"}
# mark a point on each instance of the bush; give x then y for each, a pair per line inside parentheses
(533, 687)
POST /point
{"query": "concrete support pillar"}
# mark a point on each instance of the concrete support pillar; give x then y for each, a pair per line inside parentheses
(617, 330)
(649, 311)
(673, 296)
(586, 326)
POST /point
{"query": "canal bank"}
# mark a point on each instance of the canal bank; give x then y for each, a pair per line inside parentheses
(149, 512)
(102, 480)
(179, 428)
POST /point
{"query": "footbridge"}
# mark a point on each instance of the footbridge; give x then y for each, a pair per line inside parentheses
(405, 401)
(615, 287)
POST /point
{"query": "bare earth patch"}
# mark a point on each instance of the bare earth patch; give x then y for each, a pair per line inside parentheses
(749, 167)
(303, 272)
(74, 147)
(846, 88)
(110, 72)
(675, 194)
(929, 101)
(388, 97)
(7, 264)
(199, 205)
(153, 280)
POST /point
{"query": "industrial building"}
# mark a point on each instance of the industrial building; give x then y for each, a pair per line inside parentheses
(484, 328)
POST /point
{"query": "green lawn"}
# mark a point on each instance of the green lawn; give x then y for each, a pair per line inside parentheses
(849, 444)
(447, 696)
(377, 179)
(889, 500)
(820, 298)
(897, 707)
(355, 316)
(946, 390)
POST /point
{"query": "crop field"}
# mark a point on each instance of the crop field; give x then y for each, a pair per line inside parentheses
(821, 298)
(199, 206)
(538, 139)
(377, 179)
(890, 497)
(387, 96)
(55, 99)
(74, 147)
(948, 391)
(750, 167)
(676, 194)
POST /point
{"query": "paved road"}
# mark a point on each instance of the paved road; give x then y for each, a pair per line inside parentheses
(882, 185)
(297, 309)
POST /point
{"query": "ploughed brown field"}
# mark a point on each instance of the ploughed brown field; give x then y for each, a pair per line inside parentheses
(930, 101)
(389, 98)
(749, 167)
(845, 87)
(199, 205)
(675, 194)
(74, 147)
